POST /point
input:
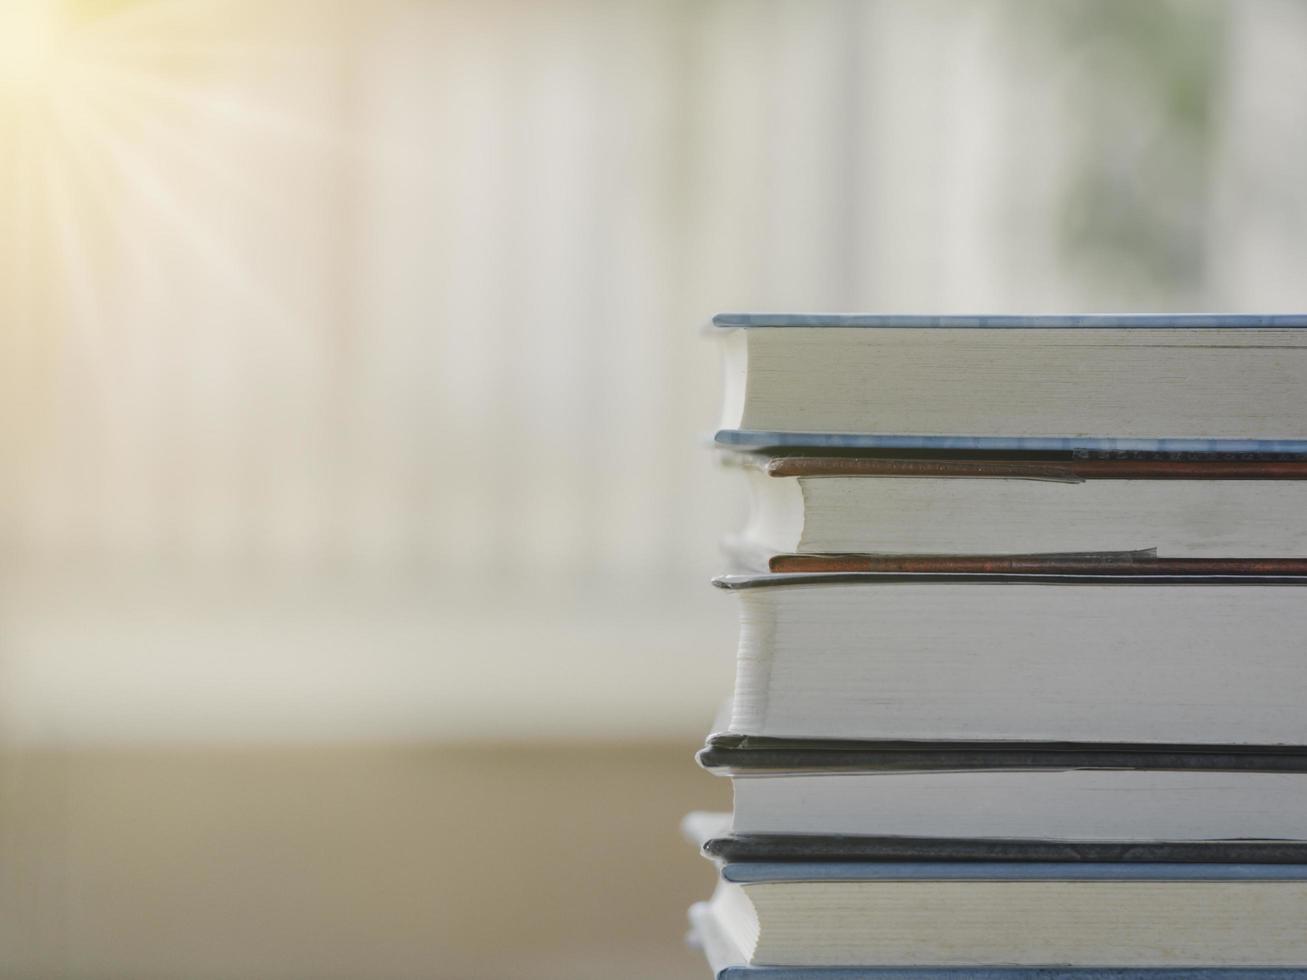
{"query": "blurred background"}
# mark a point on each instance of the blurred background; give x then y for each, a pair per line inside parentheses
(357, 517)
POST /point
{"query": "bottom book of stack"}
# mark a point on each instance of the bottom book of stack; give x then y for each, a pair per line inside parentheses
(790, 907)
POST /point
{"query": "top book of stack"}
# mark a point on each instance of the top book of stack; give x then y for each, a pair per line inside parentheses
(1147, 384)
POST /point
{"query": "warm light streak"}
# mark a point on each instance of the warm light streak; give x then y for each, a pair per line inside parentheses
(122, 103)
(150, 150)
(30, 33)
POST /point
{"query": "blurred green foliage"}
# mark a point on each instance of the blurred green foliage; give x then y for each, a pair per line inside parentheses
(1142, 82)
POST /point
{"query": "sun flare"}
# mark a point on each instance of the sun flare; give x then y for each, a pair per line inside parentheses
(124, 126)
(30, 33)
(150, 152)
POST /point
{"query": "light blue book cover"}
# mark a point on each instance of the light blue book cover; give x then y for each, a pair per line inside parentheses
(1089, 321)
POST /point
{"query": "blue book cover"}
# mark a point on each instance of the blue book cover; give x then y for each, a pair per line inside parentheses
(1089, 321)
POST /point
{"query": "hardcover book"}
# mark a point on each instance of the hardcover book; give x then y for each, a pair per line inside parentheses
(1075, 657)
(1104, 511)
(1062, 794)
(923, 920)
(1000, 915)
(1195, 383)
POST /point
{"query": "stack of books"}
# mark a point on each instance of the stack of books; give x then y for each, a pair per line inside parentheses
(1022, 671)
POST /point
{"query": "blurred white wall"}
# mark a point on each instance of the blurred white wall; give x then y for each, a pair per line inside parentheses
(352, 383)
